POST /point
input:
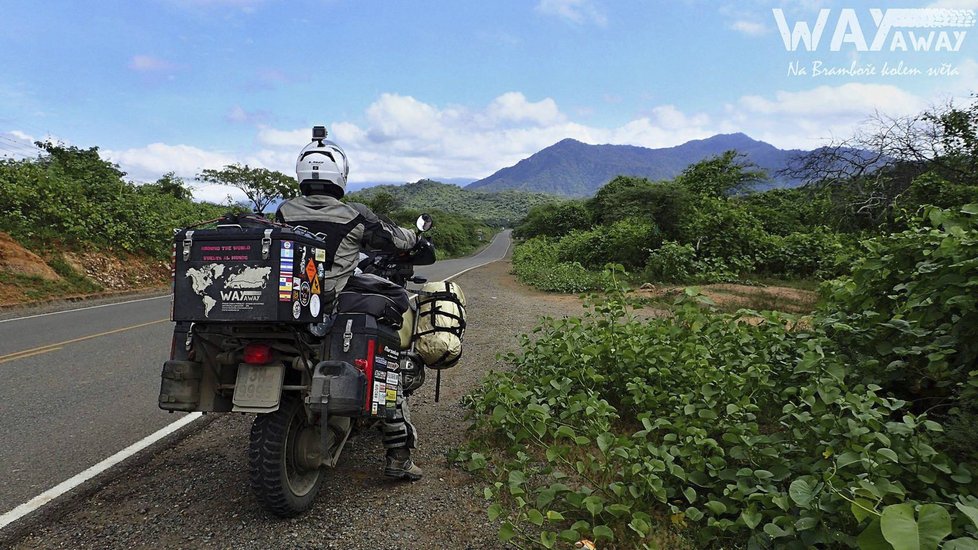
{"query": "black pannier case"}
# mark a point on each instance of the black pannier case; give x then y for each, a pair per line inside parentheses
(241, 274)
(372, 349)
(367, 293)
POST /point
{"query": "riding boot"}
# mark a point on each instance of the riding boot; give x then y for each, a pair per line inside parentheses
(399, 465)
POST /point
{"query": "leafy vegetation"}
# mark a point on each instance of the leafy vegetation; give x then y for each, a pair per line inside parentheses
(71, 197)
(496, 209)
(908, 314)
(681, 232)
(705, 226)
(750, 428)
(453, 234)
(848, 428)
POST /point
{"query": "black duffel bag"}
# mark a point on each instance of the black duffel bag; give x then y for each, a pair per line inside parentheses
(367, 293)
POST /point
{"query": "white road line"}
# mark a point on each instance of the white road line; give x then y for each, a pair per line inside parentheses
(69, 484)
(84, 308)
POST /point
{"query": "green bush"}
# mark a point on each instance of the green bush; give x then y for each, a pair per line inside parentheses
(71, 196)
(819, 253)
(553, 220)
(786, 211)
(535, 263)
(753, 432)
(672, 262)
(454, 235)
(908, 313)
(718, 228)
(625, 242)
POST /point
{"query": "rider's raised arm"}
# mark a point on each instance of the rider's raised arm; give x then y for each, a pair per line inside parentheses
(381, 234)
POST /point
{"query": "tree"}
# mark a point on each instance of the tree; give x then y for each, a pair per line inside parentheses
(628, 198)
(169, 184)
(723, 175)
(554, 220)
(260, 185)
(607, 205)
(384, 203)
(871, 171)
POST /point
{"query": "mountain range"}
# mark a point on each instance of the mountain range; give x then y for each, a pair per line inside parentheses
(576, 169)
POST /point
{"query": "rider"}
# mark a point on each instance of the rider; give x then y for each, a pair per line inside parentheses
(322, 171)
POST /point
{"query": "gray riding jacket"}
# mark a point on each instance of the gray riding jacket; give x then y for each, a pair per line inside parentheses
(348, 228)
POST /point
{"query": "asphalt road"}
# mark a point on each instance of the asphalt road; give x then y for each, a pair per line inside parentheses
(82, 384)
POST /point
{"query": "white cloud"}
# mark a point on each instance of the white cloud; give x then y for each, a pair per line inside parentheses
(15, 144)
(512, 107)
(852, 99)
(219, 194)
(574, 11)
(751, 28)
(150, 64)
(277, 138)
(150, 162)
(955, 4)
(808, 118)
(402, 138)
(405, 139)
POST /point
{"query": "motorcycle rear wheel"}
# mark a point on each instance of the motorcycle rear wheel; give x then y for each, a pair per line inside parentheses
(283, 477)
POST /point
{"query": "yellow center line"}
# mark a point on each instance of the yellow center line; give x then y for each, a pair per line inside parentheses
(54, 347)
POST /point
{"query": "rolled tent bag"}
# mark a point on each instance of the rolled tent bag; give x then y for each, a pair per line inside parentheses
(441, 324)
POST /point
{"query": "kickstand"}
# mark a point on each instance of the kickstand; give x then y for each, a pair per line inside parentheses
(437, 385)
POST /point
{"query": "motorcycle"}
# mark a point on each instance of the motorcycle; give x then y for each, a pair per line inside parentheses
(311, 376)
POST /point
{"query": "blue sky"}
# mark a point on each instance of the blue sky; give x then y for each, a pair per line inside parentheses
(449, 89)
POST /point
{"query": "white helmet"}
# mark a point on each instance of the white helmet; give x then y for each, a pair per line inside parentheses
(320, 164)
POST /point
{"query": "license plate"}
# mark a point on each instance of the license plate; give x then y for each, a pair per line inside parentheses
(258, 388)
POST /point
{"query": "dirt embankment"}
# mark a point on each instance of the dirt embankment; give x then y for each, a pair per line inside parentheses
(731, 297)
(195, 493)
(26, 277)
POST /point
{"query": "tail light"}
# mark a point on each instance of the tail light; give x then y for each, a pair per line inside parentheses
(367, 366)
(258, 354)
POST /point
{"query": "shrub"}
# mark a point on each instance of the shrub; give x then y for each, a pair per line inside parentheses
(73, 197)
(672, 262)
(745, 432)
(908, 313)
(535, 263)
(820, 253)
(625, 242)
(553, 220)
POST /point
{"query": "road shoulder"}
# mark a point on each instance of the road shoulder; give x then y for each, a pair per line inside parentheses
(195, 493)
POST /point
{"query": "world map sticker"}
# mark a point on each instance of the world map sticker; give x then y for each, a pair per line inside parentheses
(296, 310)
(314, 305)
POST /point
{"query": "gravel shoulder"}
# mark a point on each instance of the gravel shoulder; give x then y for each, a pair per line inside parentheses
(195, 494)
